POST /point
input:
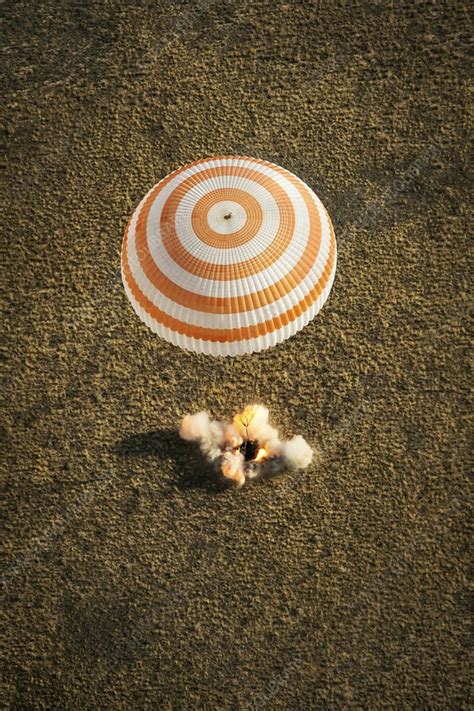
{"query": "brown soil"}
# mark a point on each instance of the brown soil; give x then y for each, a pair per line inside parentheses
(132, 580)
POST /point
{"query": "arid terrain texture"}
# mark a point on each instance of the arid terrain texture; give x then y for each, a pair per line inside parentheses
(132, 579)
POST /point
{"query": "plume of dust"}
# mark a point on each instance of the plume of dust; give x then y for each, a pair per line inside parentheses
(220, 443)
(252, 423)
(209, 435)
(232, 466)
(297, 452)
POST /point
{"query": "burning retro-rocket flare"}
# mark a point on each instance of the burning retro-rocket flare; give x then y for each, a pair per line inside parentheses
(247, 446)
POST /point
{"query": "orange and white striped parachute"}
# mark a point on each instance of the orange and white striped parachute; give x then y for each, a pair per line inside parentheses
(228, 255)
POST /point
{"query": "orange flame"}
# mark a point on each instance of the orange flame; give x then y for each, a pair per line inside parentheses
(261, 454)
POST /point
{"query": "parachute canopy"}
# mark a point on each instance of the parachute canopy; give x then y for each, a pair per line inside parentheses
(228, 255)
